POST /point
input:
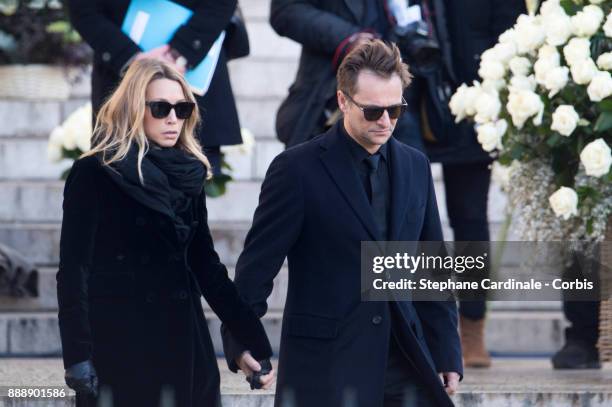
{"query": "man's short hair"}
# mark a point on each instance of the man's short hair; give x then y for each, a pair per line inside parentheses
(374, 55)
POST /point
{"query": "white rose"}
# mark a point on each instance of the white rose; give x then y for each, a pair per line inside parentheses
(489, 85)
(608, 25)
(549, 52)
(596, 158)
(508, 36)
(576, 50)
(519, 66)
(542, 68)
(491, 69)
(597, 1)
(564, 202)
(556, 80)
(83, 141)
(551, 7)
(587, 21)
(584, 71)
(504, 51)
(522, 83)
(565, 119)
(524, 104)
(487, 107)
(461, 102)
(489, 135)
(604, 61)
(600, 86)
(558, 29)
(529, 34)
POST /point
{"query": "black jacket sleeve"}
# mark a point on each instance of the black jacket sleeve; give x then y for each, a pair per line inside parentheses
(276, 225)
(79, 225)
(193, 39)
(304, 22)
(220, 292)
(102, 34)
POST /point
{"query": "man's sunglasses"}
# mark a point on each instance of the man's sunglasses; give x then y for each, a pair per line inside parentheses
(373, 113)
(161, 109)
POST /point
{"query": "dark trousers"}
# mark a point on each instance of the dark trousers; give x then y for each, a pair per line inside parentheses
(582, 315)
(403, 386)
(467, 192)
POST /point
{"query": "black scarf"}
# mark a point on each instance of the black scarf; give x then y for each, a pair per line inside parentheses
(172, 178)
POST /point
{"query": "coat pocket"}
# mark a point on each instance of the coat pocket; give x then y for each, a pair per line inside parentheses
(111, 285)
(310, 326)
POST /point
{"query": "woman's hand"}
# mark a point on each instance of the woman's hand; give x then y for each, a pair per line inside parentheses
(250, 366)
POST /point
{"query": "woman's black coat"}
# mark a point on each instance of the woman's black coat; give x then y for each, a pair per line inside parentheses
(99, 23)
(129, 294)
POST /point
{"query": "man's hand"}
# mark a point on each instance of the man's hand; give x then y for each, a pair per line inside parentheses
(249, 365)
(450, 380)
(82, 378)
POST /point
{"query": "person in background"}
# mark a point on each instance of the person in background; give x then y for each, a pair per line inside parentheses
(136, 255)
(99, 23)
(473, 27)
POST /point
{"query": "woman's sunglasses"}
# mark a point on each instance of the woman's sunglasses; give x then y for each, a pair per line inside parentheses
(161, 109)
(373, 113)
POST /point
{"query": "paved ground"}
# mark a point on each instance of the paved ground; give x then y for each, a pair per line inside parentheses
(505, 376)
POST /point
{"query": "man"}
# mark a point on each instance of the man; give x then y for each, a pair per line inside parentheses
(319, 200)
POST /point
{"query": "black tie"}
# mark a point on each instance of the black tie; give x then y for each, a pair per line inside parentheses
(377, 197)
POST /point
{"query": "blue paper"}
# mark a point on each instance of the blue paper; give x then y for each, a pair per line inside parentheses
(152, 23)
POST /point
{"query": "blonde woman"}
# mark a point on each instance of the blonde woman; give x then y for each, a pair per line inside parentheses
(136, 255)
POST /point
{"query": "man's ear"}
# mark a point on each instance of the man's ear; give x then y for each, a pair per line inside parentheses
(342, 101)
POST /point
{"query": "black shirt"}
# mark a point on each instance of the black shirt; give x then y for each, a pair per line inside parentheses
(359, 155)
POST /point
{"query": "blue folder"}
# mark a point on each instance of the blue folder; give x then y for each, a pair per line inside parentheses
(152, 23)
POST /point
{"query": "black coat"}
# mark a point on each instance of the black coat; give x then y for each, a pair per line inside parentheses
(130, 294)
(99, 23)
(474, 26)
(314, 211)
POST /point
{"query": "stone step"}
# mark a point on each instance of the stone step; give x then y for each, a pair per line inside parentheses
(508, 383)
(28, 334)
(41, 201)
(39, 242)
(47, 299)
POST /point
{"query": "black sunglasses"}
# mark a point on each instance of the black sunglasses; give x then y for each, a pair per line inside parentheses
(161, 109)
(373, 113)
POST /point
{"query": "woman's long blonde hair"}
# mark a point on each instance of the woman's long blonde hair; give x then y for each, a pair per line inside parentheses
(120, 121)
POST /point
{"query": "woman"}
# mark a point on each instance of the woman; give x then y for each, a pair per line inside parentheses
(136, 253)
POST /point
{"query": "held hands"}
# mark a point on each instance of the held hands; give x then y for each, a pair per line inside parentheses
(259, 374)
(450, 380)
(82, 378)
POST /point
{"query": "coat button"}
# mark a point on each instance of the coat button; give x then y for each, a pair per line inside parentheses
(150, 297)
(176, 257)
(377, 319)
(182, 295)
(197, 44)
(140, 221)
(106, 56)
(144, 259)
(120, 257)
(476, 57)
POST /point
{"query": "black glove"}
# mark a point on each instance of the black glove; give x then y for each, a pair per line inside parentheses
(266, 367)
(82, 378)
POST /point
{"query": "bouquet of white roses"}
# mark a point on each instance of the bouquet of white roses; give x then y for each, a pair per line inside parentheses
(72, 138)
(544, 109)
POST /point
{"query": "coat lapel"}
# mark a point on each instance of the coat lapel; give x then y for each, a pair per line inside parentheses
(400, 187)
(337, 161)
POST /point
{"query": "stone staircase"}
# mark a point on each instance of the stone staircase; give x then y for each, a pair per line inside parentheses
(30, 217)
